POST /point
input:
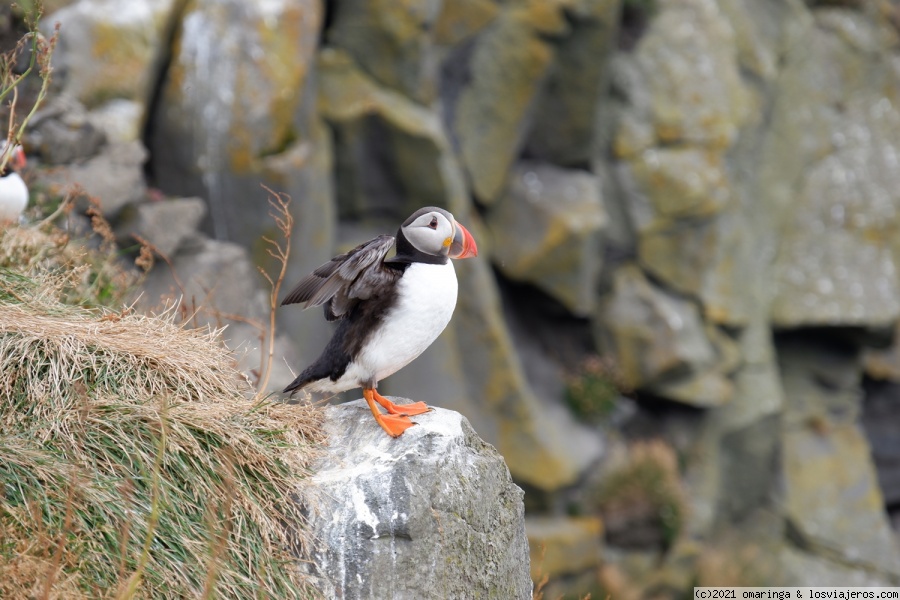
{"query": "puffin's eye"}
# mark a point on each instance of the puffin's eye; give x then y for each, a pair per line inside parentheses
(433, 223)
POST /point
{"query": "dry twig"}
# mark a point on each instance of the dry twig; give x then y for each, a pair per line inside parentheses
(280, 251)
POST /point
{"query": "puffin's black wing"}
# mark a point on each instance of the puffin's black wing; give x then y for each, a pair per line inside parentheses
(346, 279)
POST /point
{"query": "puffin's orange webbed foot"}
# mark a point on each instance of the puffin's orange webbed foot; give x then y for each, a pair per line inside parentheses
(393, 425)
(416, 408)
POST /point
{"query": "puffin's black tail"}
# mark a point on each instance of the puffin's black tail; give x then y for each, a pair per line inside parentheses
(316, 371)
(298, 383)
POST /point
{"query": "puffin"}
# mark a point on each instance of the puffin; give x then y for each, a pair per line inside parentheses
(389, 310)
(13, 191)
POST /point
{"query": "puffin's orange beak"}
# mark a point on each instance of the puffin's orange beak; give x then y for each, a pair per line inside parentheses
(18, 158)
(463, 245)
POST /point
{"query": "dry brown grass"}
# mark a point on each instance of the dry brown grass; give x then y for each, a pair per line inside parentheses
(135, 461)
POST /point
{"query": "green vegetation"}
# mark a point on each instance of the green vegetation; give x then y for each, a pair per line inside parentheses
(593, 393)
(644, 494)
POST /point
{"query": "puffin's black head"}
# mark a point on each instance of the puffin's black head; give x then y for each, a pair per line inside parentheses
(432, 235)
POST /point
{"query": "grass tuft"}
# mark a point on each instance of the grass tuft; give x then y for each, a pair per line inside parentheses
(135, 463)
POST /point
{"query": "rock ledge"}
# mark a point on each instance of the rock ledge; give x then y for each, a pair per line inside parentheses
(432, 514)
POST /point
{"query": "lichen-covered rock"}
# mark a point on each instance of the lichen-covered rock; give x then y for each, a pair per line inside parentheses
(688, 60)
(391, 41)
(803, 568)
(681, 203)
(494, 109)
(659, 342)
(460, 20)
(831, 493)
(546, 230)
(235, 93)
(431, 514)
(110, 48)
(682, 182)
(685, 104)
(832, 497)
(830, 173)
(375, 125)
(563, 545)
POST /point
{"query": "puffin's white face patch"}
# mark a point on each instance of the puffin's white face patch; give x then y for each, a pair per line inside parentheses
(431, 233)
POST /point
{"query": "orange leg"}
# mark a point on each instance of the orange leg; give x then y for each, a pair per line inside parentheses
(394, 425)
(416, 408)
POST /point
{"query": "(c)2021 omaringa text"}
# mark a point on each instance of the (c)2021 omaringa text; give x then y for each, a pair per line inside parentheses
(802, 593)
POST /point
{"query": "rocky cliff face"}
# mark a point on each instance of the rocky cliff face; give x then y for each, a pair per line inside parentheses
(691, 201)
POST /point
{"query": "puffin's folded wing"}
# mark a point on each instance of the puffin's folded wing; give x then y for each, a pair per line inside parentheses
(345, 278)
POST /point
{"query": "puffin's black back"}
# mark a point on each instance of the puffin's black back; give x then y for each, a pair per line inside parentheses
(352, 333)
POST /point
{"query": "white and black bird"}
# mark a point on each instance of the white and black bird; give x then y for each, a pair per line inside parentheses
(13, 191)
(390, 309)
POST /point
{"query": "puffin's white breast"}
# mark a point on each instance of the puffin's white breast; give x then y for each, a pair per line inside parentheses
(13, 197)
(426, 297)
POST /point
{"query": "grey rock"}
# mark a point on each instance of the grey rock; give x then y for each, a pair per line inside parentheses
(459, 22)
(546, 230)
(115, 176)
(217, 276)
(881, 422)
(564, 545)
(217, 285)
(564, 131)
(165, 223)
(882, 361)
(680, 203)
(702, 106)
(119, 119)
(747, 469)
(821, 374)
(797, 567)
(62, 132)
(431, 514)
(305, 169)
(61, 144)
(674, 131)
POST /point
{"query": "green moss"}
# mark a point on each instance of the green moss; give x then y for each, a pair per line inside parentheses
(592, 395)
